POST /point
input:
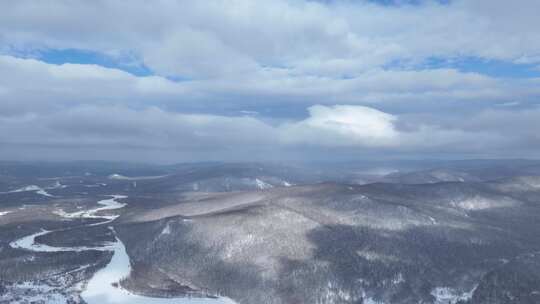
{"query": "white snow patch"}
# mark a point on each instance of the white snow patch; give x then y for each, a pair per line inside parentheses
(398, 279)
(44, 193)
(96, 185)
(262, 185)
(166, 230)
(31, 188)
(34, 292)
(57, 185)
(447, 295)
(371, 301)
(334, 294)
(480, 203)
(116, 176)
(26, 189)
(2, 213)
(375, 256)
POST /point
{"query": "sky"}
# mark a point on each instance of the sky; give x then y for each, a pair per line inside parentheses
(238, 80)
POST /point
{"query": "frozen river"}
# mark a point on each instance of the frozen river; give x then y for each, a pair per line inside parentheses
(100, 288)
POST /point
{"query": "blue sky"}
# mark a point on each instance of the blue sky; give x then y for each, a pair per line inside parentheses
(489, 67)
(272, 79)
(79, 56)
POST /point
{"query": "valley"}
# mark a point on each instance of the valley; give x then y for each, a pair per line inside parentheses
(103, 239)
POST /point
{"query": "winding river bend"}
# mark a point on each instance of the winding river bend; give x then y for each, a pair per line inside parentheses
(100, 288)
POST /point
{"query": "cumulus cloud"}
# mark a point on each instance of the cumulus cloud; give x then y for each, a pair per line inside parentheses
(202, 136)
(343, 125)
(155, 128)
(341, 75)
(208, 38)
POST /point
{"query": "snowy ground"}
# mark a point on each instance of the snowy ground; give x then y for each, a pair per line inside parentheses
(446, 295)
(103, 287)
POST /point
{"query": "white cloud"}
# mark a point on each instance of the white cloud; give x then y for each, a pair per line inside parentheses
(336, 60)
(154, 128)
(343, 125)
(215, 38)
(32, 85)
(197, 136)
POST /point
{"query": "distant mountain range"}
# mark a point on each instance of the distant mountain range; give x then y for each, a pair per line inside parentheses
(400, 232)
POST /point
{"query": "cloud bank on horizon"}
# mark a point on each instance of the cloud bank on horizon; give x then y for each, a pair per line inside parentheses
(268, 80)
